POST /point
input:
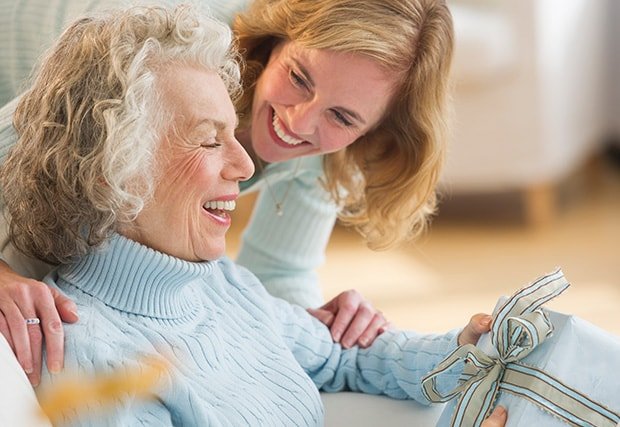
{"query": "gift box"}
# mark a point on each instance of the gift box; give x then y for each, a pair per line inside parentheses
(547, 368)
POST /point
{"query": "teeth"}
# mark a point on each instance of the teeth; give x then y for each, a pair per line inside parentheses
(228, 205)
(281, 134)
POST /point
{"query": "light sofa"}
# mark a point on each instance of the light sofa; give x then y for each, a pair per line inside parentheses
(530, 96)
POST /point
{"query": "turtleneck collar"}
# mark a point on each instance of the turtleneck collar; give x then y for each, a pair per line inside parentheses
(131, 277)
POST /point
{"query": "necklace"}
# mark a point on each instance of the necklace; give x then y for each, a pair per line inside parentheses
(279, 204)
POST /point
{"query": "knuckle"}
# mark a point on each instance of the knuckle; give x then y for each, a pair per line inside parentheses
(30, 291)
(41, 290)
(355, 294)
(349, 306)
(351, 294)
(366, 311)
(54, 326)
(368, 308)
(21, 292)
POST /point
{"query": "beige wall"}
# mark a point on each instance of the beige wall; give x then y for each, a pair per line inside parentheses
(614, 69)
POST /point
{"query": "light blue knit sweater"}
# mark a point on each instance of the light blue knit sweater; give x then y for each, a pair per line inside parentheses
(239, 356)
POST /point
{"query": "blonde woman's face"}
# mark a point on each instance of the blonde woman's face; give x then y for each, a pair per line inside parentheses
(310, 101)
(200, 166)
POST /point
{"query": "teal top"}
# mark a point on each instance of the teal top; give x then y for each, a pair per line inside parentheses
(238, 356)
(283, 251)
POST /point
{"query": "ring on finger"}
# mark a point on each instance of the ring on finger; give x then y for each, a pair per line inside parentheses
(32, 321)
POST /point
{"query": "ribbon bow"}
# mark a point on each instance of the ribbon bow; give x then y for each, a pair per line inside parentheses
(519, 326)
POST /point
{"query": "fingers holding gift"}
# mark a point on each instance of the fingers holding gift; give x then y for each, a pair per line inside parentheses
(478, 324)
(498, 418)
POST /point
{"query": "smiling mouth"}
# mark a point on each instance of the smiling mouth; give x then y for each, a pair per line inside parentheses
(220, 208)
(281, 134)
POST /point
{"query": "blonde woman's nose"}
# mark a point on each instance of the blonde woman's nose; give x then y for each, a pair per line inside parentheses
(302, 119)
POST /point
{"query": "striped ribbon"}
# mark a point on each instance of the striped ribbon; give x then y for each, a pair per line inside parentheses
(519, 326)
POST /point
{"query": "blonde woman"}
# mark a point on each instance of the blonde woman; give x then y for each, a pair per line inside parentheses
(343, 116)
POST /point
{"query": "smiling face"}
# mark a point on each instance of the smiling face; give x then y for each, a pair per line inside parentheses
(310, 101)
(200, 165)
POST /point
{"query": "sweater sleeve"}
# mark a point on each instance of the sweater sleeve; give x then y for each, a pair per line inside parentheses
(285, 251)
(8, 137)
(28, 27)
(394, 365)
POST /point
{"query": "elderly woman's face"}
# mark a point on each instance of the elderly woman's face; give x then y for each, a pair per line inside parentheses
(310, 101)
(201, 164)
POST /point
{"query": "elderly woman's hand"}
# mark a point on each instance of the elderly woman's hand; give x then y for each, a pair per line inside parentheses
(351, 319)
(498, 418)
(21, 299)
(478, 324)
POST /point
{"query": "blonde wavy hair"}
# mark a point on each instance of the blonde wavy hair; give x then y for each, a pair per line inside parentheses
(384, 182)
(90, 125)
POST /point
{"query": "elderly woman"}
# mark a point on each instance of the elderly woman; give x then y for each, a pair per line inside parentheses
(124, 173)
(343, 114)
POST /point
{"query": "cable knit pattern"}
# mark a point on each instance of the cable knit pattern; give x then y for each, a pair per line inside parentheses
(238, 355)
(28, 27)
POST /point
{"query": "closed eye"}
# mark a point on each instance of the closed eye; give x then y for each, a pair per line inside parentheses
(341, 118)
(297, 80)
(211, 143)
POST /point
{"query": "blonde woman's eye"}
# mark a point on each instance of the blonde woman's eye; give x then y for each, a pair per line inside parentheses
(341, 118)
(297, 80)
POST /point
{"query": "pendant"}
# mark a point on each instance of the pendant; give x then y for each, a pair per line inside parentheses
(279, 210)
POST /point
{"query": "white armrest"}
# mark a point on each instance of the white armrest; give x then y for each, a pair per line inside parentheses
(360, 410)
(18, 403)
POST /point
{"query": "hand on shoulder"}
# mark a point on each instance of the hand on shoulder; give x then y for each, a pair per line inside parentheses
(30, 312)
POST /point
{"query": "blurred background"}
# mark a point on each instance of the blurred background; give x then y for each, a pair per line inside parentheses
(532, 180)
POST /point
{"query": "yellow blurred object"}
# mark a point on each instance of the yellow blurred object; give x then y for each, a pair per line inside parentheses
(73, 394)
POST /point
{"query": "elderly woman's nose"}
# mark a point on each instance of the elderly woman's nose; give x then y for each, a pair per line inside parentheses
(240, 165)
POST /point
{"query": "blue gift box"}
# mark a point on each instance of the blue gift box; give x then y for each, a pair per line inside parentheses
(546, 368)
